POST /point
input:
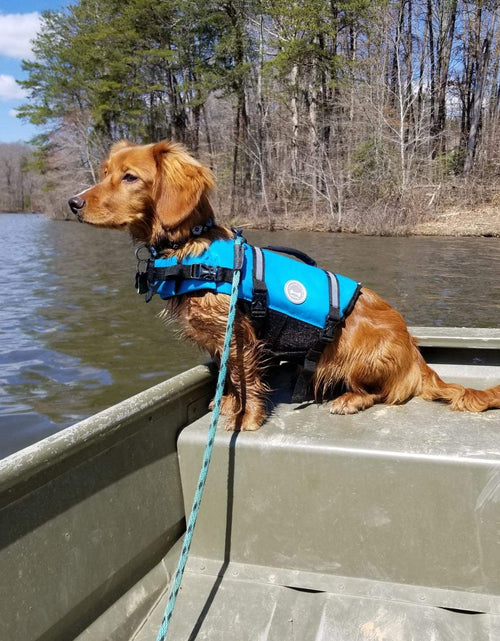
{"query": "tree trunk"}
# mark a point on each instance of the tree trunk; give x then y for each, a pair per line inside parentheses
(482, 72)
(236, 144)
(294, 153)
(262, 158)
(443, 66)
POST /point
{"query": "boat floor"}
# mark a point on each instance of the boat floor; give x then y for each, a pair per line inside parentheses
(381, 526)
(233, 608)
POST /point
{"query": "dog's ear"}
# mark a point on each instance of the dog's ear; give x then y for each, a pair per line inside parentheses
(180, 183)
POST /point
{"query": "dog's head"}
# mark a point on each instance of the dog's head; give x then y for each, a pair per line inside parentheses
(154, 191)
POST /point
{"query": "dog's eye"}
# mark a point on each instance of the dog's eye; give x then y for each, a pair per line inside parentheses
(130, 178)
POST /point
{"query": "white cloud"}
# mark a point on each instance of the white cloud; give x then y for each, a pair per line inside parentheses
(9, 89)
(13, 113)
(18, 29)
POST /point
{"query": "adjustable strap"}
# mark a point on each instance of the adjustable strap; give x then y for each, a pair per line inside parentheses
(333, 316)
(149, 280)
(179, 272)
(291, 251)
(326, 337)
(196, 271)
(258, 306)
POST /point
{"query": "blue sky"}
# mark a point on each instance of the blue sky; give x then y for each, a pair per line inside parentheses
(19, 22)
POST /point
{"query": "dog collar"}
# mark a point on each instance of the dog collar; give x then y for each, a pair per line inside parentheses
(196, 231)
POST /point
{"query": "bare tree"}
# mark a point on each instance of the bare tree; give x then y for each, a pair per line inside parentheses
(20, 185)
(482, 52)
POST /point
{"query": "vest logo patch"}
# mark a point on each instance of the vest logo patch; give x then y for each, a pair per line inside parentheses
(295, 292)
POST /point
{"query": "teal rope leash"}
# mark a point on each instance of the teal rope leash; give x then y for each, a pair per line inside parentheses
(176, 583)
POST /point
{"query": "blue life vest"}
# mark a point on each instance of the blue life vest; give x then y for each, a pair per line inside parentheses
(294, 288)
(295, 306)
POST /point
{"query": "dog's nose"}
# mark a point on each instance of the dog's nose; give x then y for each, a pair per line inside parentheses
(75, 204)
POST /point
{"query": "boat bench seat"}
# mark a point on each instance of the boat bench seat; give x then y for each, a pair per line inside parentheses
(386, 520)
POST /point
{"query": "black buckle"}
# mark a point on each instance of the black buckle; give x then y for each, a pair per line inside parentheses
(199, 271)
(141, 274)
(329, 330)
(238, 233)
(141, 282)
(259, 305)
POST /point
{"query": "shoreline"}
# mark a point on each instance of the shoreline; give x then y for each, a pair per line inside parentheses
(455, 222)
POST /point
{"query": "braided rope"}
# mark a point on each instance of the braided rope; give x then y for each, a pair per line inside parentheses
(176, 583)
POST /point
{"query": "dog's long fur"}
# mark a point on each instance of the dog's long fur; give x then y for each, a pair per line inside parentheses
(159, 192)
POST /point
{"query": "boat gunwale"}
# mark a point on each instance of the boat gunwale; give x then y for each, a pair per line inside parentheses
(48, 458)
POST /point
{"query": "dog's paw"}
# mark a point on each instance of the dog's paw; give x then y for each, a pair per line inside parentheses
(229, 405)
(342, 406)
(353, 402)
(243, 423)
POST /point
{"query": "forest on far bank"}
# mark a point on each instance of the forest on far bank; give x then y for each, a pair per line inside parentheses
(352, 115)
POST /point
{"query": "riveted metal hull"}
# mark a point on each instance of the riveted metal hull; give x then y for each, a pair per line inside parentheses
(384, 525)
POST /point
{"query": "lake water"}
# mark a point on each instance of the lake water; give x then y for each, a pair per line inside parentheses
(76, 338)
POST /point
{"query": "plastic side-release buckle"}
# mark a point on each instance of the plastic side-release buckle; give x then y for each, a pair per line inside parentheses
(199, 271)
(330, 329)
(144, 263)
(258, 308)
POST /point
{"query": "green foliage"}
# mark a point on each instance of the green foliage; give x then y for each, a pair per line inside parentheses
(309, 31)
(452, 163)
(371, 160)
(142, 69)
(374, 169)
(135, 65)
(39, 158)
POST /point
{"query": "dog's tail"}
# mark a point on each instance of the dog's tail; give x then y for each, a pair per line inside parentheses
(459, 397)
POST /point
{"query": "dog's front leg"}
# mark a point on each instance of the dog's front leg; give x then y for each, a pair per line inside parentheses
(246, 398)
(245, 401)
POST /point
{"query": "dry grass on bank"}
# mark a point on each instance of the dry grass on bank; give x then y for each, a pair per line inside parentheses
(462, 221)
(454, 208)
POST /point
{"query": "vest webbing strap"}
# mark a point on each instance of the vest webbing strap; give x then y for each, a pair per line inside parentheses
(305, 258)
(196, 271)
(327, 335)
(258, 306)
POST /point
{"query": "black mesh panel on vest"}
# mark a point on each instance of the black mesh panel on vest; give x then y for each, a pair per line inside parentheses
(286, 336)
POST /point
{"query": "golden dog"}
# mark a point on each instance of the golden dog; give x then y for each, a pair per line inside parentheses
(159, 192)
